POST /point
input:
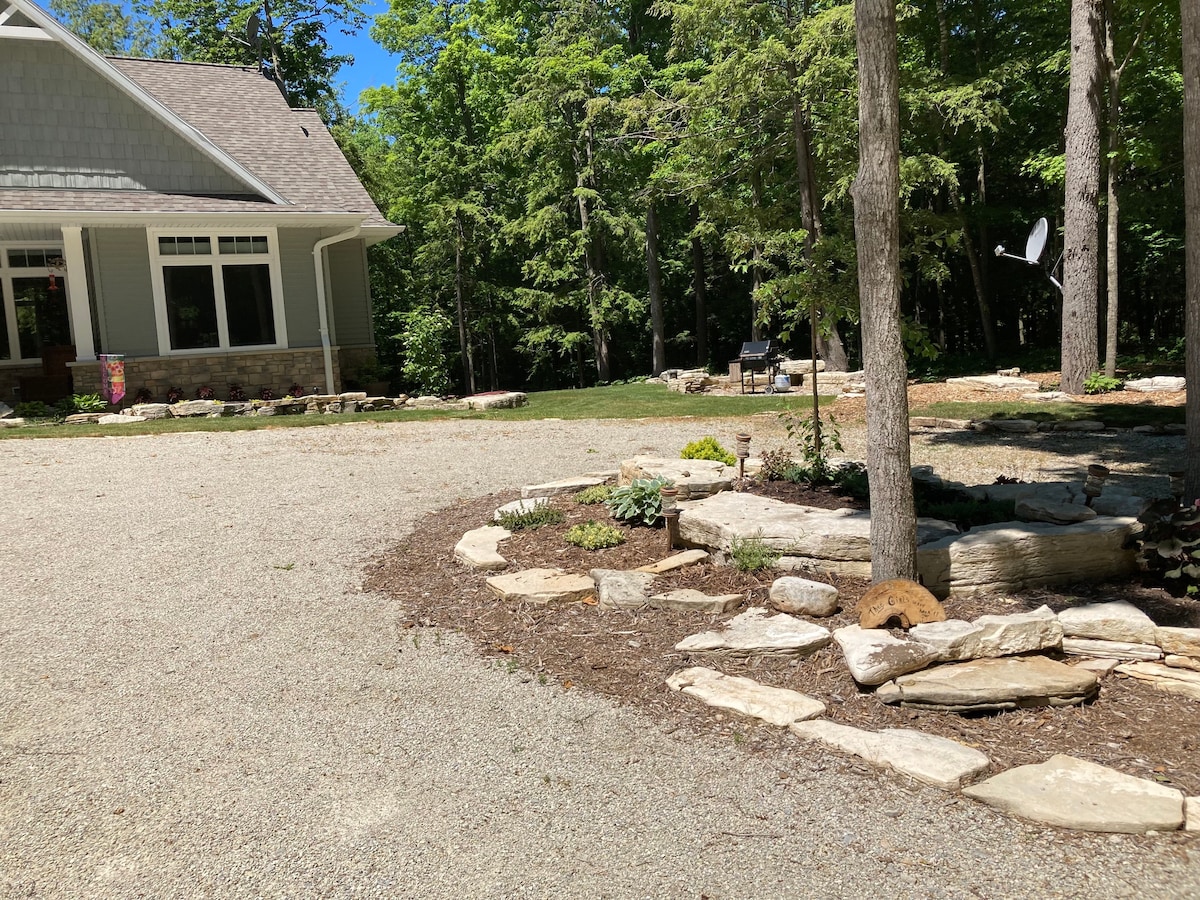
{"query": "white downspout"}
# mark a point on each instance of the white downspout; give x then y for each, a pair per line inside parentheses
(322, 312)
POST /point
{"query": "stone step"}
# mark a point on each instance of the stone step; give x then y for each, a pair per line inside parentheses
(778, 706)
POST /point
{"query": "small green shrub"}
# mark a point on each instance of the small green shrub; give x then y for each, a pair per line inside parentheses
(708, 448)
(778, 465)
(851, 477)
(752, 554)
(1169, 546)
(1099, 383)
(592, 535)
(33, 409)
(544, 514)
(597, 494)
(639, 501)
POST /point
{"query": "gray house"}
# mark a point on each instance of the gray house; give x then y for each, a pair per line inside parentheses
(180, 214)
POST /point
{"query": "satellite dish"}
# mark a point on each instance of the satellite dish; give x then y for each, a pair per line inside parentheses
(1037, 241)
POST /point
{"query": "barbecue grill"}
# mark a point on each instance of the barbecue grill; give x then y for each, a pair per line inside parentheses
(759, 356)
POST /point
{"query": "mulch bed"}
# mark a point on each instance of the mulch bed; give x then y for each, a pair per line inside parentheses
(628, 655)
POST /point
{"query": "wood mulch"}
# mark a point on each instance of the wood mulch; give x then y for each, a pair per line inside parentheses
(627, 655)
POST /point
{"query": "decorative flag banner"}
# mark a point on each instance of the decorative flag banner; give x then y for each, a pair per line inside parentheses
(112, 376)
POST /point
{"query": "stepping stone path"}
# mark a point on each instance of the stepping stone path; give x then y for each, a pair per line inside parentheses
(875, 656)
(542, 586)
(992, 636)
(778, 706)
(753, 633)
(1114, 621)
(993, 684)
(1075, 793)
(687, 600)
(932, 760)
(477, 549)
(564, 485)
(800, 596)
(677, 561)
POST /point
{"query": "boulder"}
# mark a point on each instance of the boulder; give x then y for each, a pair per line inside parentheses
(901, 599)
(1156, 384)
(1109, 649)
(1117, 620)
(1003, 384)
(477, 549)
(352, 396)
(1075, 793)
(932, 760)
(1035, 509)
(875, 656)
(1179, 641)
(675, 561)
(992, 636)
(542, 586)
(778, 706)
(622, 590)
(800, 596)
(497, 400)
(993, 684)
(562, 486)
(693, 478)
(753, 633)
(687, 600)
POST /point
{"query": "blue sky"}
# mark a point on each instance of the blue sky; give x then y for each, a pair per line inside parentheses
(372, 65)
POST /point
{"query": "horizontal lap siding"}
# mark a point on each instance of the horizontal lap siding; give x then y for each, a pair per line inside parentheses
(299, 285)
(351, 294)
(122, 265)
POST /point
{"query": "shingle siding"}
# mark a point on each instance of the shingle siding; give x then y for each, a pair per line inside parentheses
(64, 128)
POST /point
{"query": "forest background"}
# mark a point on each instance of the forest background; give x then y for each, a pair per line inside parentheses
(598, 190)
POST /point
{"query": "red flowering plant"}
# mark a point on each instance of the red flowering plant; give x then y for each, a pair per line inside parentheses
(236, 394)
(174, 395)
(204, 392)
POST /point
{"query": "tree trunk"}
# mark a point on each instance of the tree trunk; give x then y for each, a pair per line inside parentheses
(654, 280)
(1191, 156)
(593, 269)
(877, 230)
(1113, 215)
(460, 302)
(1081, 266)
(699, 279)
(832, 350)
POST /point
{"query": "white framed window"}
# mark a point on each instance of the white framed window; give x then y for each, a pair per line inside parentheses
(217, 290)
(33, 305)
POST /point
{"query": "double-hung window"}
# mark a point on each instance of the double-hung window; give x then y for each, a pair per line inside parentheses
(217, 290)
(33, 305)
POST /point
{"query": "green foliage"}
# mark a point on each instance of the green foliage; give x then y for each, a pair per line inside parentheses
(33, 409)
(752, 554)
(708, 448)
(851, 477)
(967, 512)
(1169, 545)
(88, 403)
(538, 516)
(815, 440)
(1099, 383)
(592, 535)
(640, 501)
(778, 465)
(599, 493)
(426, 331)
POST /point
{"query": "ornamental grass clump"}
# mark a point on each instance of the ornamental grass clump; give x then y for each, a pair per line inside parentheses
(752, 554)
(639, 502)
(593, 535)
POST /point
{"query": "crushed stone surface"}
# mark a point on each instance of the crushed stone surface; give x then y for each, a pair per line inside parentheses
(198, 700)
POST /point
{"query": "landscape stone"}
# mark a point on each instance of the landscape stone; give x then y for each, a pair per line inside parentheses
(1076, 793)
(1101, 668)
(675, 561)
(1117, 620)
(993, 684)
(1035, 509)
(938, 422)
(562, 486)
(901, 599)
(1165, 678)
(1109, 649)
(688, 600)
(1182, 662)
(753, 633)
(1079, 425)
(187, 408)
(996, 383)
(875, 656)
(622, 590)
(5, 410)
(118, 419)
(1157, 383)
(1048, 397)
(352, 396)
(477, 549)
(1179, 641)
(152, 410)
(778, 706)
(1013, 426)
(497, 400)
(800, 596)
(542, 586)
(12, 422)
(992, 636)
(519, 507)
(693, 478)
(1191, 811)
(88, 418)
(932, 760)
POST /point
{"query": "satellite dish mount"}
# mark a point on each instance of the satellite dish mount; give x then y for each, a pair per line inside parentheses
(1034, 247)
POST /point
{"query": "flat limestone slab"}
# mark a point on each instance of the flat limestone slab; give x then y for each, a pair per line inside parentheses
(993, 684)
(1191, 809)
(874, 655)
(622, 590)
(1117, 620)
(754, 633)
(779, 706)
(1075, 793)
(991, 636)
(519, 507)
(802, 531)
(478, 548)
(1165, 678)
(688, 600)
(1179, 641)
(675, 561)
(693, 478)
(996, 383)
(929, 759)
(118, 419)
(497, 400)
(1109, 649)
(562, 486)
(1157, 383)
(542, 586)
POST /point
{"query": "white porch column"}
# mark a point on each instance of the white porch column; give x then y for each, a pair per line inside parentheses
(81, 303)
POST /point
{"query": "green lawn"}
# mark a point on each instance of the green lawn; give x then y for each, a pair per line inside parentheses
(623, 401)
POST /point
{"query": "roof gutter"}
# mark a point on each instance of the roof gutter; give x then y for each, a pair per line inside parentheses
(322, 311)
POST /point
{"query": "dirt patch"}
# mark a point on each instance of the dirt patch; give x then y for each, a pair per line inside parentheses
(628, 655)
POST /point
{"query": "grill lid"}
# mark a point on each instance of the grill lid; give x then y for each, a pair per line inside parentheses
(759, 349)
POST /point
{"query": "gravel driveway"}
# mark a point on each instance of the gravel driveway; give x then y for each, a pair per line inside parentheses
(197, 700)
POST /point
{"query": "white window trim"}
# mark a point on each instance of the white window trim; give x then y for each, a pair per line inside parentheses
(8, 300)
(158, 261)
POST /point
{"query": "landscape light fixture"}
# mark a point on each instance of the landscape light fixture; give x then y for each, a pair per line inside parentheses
(1034, 245)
